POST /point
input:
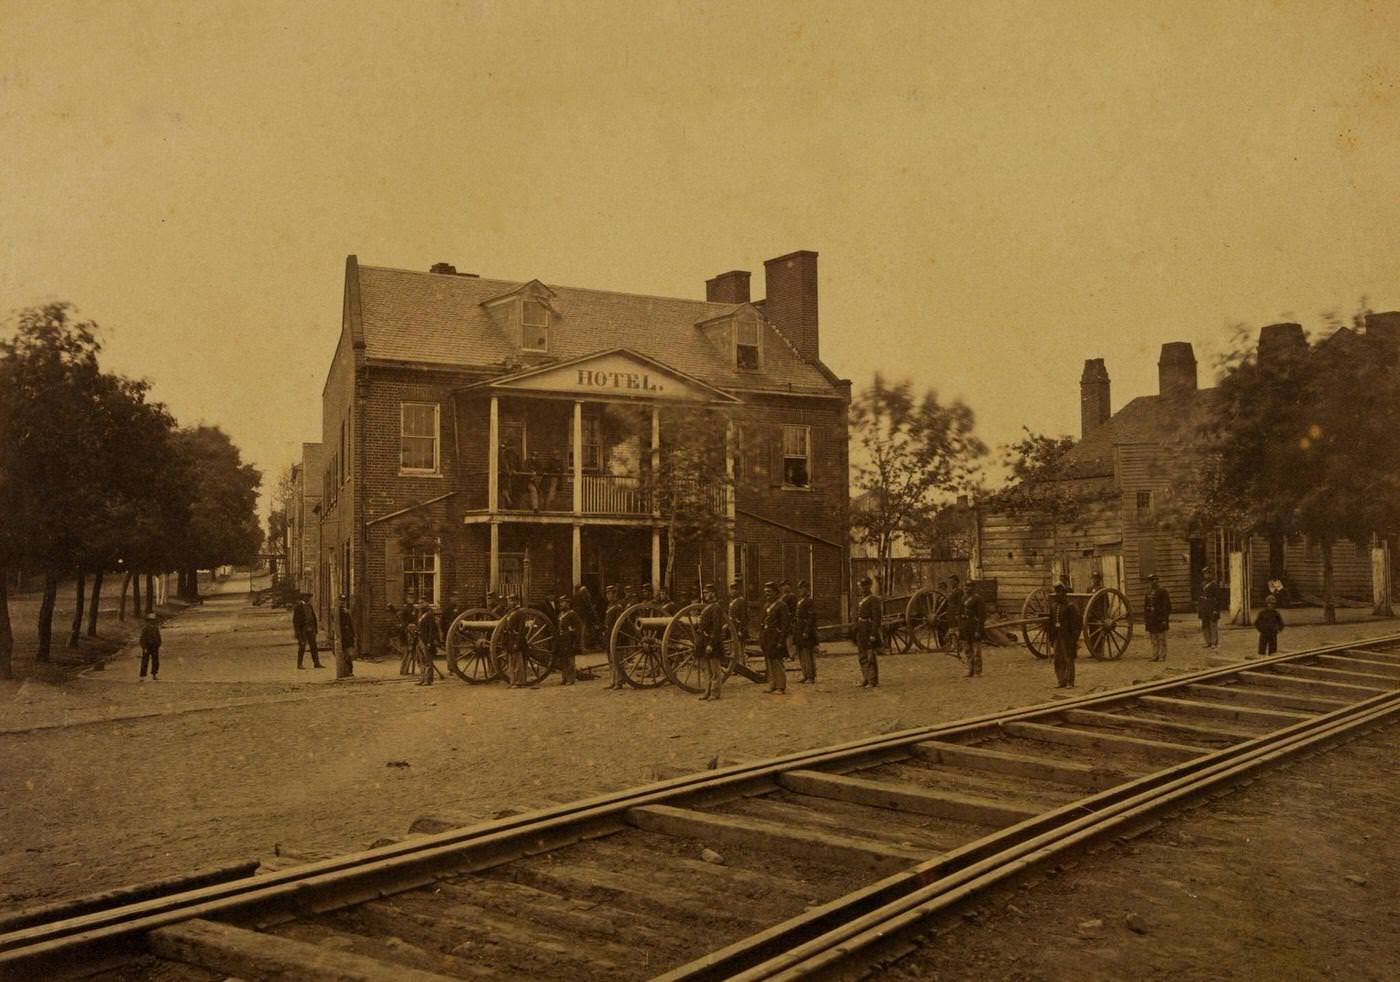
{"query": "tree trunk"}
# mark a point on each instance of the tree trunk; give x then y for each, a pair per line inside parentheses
(7, 634)
(1329, 607)
(94, 602)
(135, 594)
(46, 615)
(150, 592)
(126, 586)
(78, 599)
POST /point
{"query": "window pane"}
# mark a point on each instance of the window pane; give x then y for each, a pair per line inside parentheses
(795, 472)
(746, 356)
(747, 332)
(534, 320)
(418, 453)
(419, 420)
(795, 441)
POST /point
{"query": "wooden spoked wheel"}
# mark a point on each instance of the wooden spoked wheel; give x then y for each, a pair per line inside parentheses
(898, 636)
(1036, 631)
(531, 631)
(468, 646)
(928, 620)
(1108, 624)
(636, 646)
(680, 659)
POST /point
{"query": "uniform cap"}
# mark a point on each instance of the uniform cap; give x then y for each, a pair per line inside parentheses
(866, 580)
(1061, 588)
(770, 585)
(564, 599)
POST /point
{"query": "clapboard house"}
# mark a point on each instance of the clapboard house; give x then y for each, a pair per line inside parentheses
(489, 434)
(1125, 475)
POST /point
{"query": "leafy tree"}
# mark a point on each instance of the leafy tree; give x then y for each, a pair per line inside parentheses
(913, 454)
(1306, 442)
(223, 526)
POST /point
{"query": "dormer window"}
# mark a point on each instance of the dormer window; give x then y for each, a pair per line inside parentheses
(534, 325)
(747, 344)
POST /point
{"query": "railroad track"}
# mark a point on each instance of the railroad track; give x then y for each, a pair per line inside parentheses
(820, 863)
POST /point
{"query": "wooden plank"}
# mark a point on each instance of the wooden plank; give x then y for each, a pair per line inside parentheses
(1207, 734)
(908, 797)
(1246, 695)
(1211, 710)
(1018, 765)
(1320, 687)
(772, 837)
(1335, 675)
(251, 955)
(1392, 657)
(1156, 750)
(1356, 662)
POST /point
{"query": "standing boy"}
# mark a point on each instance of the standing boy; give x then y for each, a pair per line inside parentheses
(1269, 623)
(150, 648)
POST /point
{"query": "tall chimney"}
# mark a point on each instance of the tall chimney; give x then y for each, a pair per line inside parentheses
(730, 287)
(791, 304)
(1094, 404)
(1176, 368)
(1276, 340)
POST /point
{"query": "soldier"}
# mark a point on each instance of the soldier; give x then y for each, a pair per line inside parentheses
(345, 663)
(1208, 609)
(429, 637)
(1156, 617)
(868, 640)
(450, 610)
(956, 598)
(709, 642)
(582, 603)
(1064, 635)
(645, 594)
(804, 632)
(615, 608)
(974, 618)
(1095, 582)
(789, 598)
(495, 605)
(305, 628)
(629, 595)
(569, 641)
(513, 636)
(739, 611)
(777, 624)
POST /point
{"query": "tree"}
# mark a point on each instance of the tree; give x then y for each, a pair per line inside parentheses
(1306, 441)
(223, 525)
(913, 454)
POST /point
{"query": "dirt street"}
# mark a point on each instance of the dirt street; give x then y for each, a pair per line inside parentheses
(234, 752)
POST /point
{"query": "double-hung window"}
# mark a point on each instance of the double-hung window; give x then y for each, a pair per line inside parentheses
(747, 344)
(534, 325)
(797, 456)
(418, 438)
(420, 567)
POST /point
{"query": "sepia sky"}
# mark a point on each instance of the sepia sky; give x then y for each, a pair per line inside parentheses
(997, 190)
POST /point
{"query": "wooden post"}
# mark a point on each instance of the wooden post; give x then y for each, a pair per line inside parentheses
(1380, 577)
(495, 559)
(1239, 586)
(493, 465)
(577, 565)
(578, 475)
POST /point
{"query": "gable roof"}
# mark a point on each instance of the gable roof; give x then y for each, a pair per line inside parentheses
(627, 356)
(1146, 419)
(437, 318)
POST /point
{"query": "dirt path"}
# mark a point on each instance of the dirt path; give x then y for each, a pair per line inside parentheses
(275, 756)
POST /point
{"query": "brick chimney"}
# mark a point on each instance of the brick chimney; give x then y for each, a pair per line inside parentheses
(1094, 404)
(1280, 339)
(730, 287)
(791, 304)
(1176, 368)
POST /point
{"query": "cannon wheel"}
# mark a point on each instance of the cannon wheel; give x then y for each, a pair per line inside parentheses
(469, 648)
(636, 650)
(927, 619)
(1108, 624)
(678, 655)
(1036, 632)
(536, 630)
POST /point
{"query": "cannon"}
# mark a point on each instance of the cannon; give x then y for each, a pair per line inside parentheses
(478, 644)
(1107, 617)
(651, 647)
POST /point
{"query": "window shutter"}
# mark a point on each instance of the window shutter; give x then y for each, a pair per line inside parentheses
(393, 572)
(775, 457)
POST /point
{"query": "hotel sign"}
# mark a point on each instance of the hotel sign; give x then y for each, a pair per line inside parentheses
(615, 375)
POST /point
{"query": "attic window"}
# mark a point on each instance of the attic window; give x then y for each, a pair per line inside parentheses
(747, 344)
(534, 325)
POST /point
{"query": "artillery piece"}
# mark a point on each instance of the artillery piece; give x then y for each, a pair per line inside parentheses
(478, 644)
(651, 647)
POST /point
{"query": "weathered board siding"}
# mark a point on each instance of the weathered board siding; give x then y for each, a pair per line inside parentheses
(1018, 550)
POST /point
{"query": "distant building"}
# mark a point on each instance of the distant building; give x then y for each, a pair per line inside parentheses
(474, 438)
(303, 517)
(1124, 470)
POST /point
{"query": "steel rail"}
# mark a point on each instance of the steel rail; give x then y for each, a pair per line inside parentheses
(371, 872)
(859, 926)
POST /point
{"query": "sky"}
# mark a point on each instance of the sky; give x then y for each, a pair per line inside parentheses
(997, 191)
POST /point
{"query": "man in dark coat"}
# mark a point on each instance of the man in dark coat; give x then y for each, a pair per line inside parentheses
(150, 648)
(804, 632)
(1157, 617)
(345, 659)
(568, 641)
(777, 624)
(615, 609)
(868, 634)
(429, 637)
(1065, 625)
(974, 617)
(1208, 609)
(956, 597)
(709, 642)
(305, 628)
(739, 611)
(582, 604)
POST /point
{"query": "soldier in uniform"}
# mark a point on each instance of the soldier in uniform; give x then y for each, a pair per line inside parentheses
(582, 603)
(304, 626)
(739, 611)
(615, 609)
(429, 636)
(1064, 635)
(568, 641)
(514, 638)
(1156, 617)
(777, 624)
(1208, 609)
(974, 618)
(868, 614)
(956, 598)
(804, 632)
(345, 664)
(789, 598)
(496, 605)
(709, 643)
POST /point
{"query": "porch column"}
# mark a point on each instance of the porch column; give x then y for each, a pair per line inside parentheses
(493, 468)
(578, 472)
(1239, 584)
(656, 499)
(577, 565)
(494, 562)
(729, 506)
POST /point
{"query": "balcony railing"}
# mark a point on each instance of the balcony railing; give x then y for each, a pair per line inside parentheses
(602, 494)
(608, 494)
